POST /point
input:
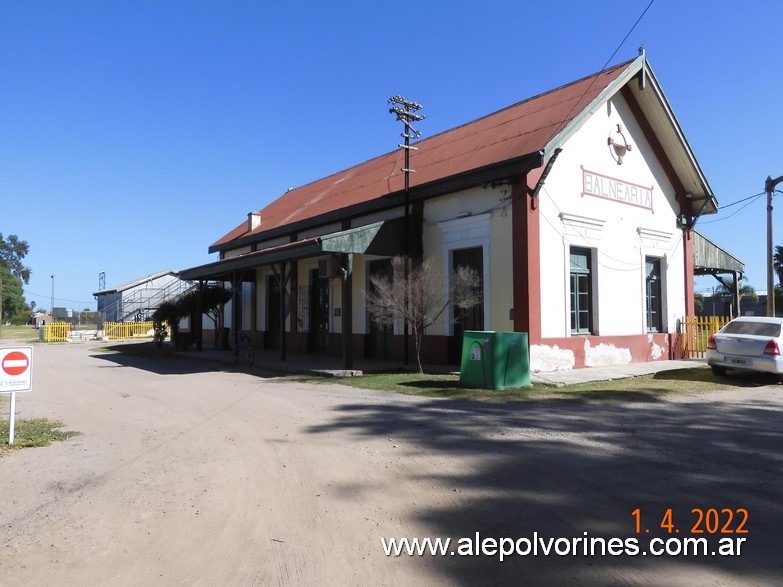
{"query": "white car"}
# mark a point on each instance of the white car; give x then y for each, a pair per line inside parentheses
(749, 343)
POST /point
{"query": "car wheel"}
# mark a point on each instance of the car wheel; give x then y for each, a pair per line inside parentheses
(718, 370)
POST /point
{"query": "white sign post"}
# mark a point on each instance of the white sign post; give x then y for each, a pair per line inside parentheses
(16, 374)
(12, 419)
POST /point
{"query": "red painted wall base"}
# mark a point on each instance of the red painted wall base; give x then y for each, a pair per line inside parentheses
(592, 351)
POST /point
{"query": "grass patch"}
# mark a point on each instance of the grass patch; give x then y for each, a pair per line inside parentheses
(35, 432)
(418, 384)
(23, 334)
(651, 387)
(644, 388)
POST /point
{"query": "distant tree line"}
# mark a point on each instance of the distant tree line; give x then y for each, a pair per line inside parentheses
(13, 276)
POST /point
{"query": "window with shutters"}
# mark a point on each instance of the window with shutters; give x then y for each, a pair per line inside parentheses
(653, 294)
(581, 292)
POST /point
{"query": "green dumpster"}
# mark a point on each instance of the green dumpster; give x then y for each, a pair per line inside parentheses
(494, 360)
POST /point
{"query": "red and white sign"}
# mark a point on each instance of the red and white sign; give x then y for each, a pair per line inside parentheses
(15, 363)
(16, 369)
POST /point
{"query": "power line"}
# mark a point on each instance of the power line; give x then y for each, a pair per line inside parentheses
(756, 197)
(38, 295)
(595, 77)
(638, 20)
(742, 200)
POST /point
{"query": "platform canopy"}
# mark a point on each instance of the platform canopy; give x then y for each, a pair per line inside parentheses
(710, 259)
(383, 238)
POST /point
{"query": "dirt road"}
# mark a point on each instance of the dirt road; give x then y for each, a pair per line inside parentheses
(192, 473)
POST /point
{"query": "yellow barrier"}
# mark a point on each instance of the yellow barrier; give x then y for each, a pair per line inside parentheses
(695, 332)
(55, 332)
(115, 330)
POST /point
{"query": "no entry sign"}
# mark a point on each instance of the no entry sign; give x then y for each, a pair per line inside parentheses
(15, 363)
(16, 369)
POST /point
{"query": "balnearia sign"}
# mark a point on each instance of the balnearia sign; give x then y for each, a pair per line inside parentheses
(610, 188)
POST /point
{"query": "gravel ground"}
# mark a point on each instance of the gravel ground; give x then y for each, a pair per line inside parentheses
(194, 473)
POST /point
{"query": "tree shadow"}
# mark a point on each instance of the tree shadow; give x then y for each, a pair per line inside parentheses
(639, 394)
(563, 469)
(736, 378)
(450, 389)
(433, 384)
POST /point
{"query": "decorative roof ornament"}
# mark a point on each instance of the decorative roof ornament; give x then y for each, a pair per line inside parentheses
(620, 148)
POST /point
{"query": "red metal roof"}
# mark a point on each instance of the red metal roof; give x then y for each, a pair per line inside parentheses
(515, 131)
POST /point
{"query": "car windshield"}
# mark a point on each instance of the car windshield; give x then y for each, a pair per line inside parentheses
(754, 328)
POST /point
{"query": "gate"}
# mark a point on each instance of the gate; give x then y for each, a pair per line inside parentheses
(695, 332)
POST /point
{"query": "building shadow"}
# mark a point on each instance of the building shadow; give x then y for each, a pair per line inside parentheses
(164, 361)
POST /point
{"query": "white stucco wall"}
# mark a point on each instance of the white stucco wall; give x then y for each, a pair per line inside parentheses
(620, 234)
(478, 217)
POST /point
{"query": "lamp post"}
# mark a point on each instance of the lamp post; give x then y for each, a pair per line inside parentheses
(769, 187)
(52, 306)
(405, 110)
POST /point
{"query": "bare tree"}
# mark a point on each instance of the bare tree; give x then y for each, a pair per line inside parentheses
(429, 295)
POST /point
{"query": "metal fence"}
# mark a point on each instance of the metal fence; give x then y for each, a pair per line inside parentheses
(695, 332)
(54, 332)
(115, 330)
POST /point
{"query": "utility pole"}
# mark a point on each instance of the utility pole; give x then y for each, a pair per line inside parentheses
(405, 110)
(52, 308)
(101, 314)
(769, 187)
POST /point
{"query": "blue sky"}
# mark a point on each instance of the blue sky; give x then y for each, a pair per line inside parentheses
(134, 134)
